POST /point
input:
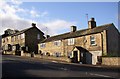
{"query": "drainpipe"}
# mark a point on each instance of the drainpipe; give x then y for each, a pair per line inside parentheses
(102, 41)
(102, 46)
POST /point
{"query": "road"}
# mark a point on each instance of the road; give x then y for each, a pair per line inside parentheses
(26, 67)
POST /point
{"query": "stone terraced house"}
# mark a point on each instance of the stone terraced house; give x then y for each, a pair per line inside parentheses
(24, 41)
(83, 46)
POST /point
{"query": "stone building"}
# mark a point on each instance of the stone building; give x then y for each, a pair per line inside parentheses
(84, 46)
(25, 41)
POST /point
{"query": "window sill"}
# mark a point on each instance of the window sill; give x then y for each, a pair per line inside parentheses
(70, 44)
(93, 45)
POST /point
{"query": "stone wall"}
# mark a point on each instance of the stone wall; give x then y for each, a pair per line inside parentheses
(51, 48)
(64, 59)
(25, 54)
(111, 61)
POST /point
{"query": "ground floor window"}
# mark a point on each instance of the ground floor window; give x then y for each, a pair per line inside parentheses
(57, 54)
(99, 58)
(13, 48)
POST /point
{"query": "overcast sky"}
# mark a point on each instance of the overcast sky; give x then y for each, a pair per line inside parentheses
(55, 17)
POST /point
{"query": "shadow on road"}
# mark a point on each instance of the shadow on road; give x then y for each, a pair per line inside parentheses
(32, 70)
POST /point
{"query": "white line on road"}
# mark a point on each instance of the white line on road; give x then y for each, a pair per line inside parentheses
(99, 75)
(63, 68)
(54, 61)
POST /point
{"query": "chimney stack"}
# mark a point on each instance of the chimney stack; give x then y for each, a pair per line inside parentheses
(34, 24)
(47, 36)
(91, 23)
(73, 28)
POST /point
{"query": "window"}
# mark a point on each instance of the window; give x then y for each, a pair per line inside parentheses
(38, 36)
(92, 40)
(71, 41)
(16, 38)
(7, 39)
(22, 36)
(42, 45)
(13, 48)
(57, 54)
(19, 36)
(57, 43)
(12, 39)
(3, 40)
(6, 47)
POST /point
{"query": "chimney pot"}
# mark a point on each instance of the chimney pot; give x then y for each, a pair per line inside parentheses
(73, 28)
(91, 23)
(47, 36)
(34, 24)
(92, 19)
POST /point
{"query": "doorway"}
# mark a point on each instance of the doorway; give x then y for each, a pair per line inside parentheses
(75, 56)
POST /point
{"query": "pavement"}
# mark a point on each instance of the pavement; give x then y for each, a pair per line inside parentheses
(59, 61)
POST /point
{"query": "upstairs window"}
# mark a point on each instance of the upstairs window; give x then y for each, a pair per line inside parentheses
(12, 39)
(71, 41)
(38, 36)
(57, 43)
(22, 36)
(7, 39)
(3, 40)
(16, 38)
(19, 36)
(42, 45)
(92, 40)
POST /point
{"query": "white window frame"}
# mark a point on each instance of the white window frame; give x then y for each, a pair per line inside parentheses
(13, 48)
(92, 39)
(42, 45)
(38, 36)
(22, 36)
(57, 43)
(71, 41)
(57, 54)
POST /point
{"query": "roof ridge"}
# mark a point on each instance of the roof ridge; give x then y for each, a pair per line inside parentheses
(69, 32)
(80, 32)
(105, 25)
(85, 29)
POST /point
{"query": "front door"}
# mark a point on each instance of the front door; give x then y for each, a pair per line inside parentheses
(75, 57)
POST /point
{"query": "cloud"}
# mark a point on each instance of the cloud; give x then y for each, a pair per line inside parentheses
(44, 13)
(16, 2)
(10, 19)
(57, 26)
(34, 13)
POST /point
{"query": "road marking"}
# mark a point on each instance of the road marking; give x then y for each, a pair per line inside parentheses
(63, 68)
(99, 75)
(54, 61)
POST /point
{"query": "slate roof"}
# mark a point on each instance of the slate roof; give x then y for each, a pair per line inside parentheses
(20, 32)
(78, 33)
(23, 31)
